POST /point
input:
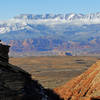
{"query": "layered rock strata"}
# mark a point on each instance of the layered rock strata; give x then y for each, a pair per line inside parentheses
(84, 87)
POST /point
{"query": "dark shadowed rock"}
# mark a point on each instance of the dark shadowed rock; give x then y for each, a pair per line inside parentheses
(4, 49)
(16, 84)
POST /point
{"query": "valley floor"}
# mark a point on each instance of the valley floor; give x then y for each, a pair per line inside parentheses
(53, 71)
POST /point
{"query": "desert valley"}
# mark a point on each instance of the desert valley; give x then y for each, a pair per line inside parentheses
(55, 70)
(49, 49)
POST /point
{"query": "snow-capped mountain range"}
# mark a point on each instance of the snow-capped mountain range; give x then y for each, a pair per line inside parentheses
(47, 32)
(22, 21)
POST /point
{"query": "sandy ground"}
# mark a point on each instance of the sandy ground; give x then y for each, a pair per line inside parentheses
(55, 70)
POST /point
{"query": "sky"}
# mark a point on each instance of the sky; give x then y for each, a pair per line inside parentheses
(11, 8)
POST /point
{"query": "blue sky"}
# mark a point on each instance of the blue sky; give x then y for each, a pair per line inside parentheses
(11, 8)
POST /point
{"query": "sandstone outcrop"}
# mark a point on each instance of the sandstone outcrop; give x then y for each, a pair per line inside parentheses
(84, 87)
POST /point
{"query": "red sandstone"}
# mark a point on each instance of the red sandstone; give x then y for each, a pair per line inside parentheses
(84, 87)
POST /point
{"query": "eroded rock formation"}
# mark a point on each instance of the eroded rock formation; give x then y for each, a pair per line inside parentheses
(84, 87)
(4, 49)
(16, 84)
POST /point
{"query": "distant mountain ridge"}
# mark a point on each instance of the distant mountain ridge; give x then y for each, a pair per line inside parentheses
(25, 21)
(22, 21)
(58, 31)
(70, 16)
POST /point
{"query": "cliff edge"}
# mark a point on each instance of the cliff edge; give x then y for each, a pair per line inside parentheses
(84, 87)
(17, 84)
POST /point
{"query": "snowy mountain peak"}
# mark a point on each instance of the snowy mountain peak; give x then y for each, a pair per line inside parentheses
(47, 16)
(67, 17)
(25, 21)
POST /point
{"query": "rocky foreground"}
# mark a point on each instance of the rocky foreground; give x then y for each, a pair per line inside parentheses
(17, 84)
(84, 87)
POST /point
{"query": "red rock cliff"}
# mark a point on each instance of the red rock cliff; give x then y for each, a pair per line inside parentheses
(84, 87)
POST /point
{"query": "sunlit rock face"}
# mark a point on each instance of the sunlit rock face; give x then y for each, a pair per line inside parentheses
(84, 87)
